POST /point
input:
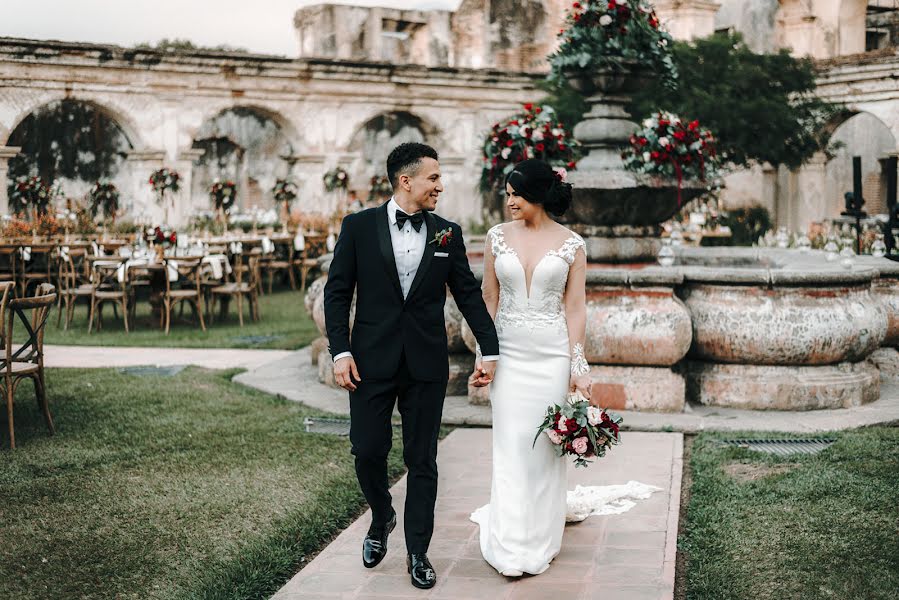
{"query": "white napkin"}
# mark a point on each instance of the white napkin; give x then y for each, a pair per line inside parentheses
(125, 251)
(216, 262)
(172, 269)
(268, 246)
(64, 252)
(95, 248)
(236, 248)
(299, 242)
(330, 242)
(25, 251)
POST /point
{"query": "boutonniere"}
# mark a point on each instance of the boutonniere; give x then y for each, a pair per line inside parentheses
(442, 238)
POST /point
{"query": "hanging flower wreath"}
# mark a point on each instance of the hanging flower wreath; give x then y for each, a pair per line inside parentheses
(164, 179)
(379, 188)
(534, 133)
(222, 194)
(336, 179)
(285, 191)
(669, 146)
(104, 196)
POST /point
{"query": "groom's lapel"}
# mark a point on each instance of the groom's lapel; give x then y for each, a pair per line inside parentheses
(428, 255)
(387, 248)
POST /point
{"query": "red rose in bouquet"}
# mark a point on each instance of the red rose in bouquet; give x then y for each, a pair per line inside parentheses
(580, 430)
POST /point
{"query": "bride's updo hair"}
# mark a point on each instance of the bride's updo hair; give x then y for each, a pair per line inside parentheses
(535, 181)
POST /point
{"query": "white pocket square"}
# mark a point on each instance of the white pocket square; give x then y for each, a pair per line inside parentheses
(441, 254)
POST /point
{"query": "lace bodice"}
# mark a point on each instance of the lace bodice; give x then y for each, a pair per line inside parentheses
(541, 307)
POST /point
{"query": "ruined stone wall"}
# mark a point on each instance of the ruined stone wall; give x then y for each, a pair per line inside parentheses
(164, 102)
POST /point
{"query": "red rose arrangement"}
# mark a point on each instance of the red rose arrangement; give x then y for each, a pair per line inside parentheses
(580, 430)
(164, 179)
(160, 236)
(602, 34)
(30, 193)
(669, 146)
(223, 194)
(533, 133)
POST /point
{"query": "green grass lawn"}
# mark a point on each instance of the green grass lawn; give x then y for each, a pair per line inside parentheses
(284, 324)
(166, 487)
(804, 527)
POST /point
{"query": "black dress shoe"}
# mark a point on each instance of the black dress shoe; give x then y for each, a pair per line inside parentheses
(423, 575)
(374, 547)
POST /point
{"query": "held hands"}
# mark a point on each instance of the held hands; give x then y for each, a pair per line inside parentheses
(582, 384)
(483, 373)
(345, 372)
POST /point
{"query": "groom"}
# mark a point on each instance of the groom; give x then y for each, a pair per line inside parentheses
(399, 258)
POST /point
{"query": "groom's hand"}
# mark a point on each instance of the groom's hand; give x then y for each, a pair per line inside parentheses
(483, 373)
(345, 372)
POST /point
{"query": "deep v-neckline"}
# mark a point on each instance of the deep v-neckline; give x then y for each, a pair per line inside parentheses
(514, 252)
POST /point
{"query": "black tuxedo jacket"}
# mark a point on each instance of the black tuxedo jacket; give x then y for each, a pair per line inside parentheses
(386, 326)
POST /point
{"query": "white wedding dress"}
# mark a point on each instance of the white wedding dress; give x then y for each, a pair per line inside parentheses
(521, 529)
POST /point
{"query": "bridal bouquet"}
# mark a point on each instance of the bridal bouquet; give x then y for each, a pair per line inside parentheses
(580, 430)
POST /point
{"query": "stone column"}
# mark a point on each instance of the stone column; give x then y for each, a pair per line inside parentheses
(141, 164)
(308, 170)
(184, 204)
(811, 204)
(688, 19)
(6, 152)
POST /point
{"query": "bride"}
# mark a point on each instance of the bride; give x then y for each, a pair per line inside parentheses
(534, 288)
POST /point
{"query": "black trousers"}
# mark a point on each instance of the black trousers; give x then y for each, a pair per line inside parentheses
(420, 406)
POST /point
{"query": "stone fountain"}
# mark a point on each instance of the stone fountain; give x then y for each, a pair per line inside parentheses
(617, 212)
(734, 327)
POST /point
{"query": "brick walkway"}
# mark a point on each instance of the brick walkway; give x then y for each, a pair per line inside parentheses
(618, 557)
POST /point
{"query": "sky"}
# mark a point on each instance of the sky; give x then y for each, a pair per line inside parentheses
(263, 26)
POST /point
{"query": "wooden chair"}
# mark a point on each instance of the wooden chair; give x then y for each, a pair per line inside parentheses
(37, 269)
(188, 272)
(71, 287)
(9, 263)
(307, 259)
(26, 360)
(239, 288)
(109, 281)
(281, 260)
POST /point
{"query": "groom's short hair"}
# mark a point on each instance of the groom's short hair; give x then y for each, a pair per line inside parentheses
(406, 159)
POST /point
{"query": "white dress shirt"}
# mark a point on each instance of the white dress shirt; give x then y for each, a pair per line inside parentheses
(408, 250)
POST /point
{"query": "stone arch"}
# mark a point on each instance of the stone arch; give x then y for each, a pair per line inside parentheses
(287, 127)
(108, 106)
(373, 140)
(857, 133)
(252, 144)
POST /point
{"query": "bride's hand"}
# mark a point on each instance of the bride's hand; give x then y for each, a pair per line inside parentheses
(582, 384)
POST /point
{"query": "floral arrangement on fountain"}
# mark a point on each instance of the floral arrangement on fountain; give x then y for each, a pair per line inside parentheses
(285, 191)
(534, 133)
(222, 194)
(607, 34)
(104, 195)
(336, 179)
(668, 146)
(379, 188)
(30, 194)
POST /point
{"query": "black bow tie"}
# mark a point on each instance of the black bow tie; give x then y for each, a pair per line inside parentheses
(417, 219)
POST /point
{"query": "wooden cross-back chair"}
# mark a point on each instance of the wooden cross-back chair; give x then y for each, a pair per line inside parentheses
(189, 273)
(26, 360)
